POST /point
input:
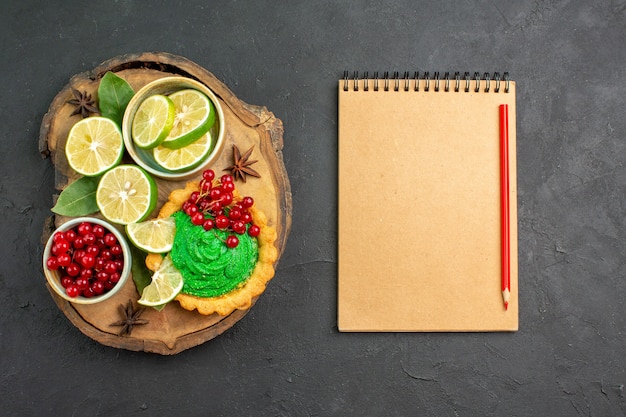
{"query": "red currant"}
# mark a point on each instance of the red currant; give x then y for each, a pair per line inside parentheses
(89, 239)
(87, 261)
(66, 281)
(228, 186)
(116, 250)
(197, 218)
(238, 227)
(191, 210)
(72, 291)
(82, 283)
(79, 242)
(222, 222)
(97, 287)
(64, 259)
(226, 178)
(232, 241)
(114, 277)
(109, 268)
(72, 269)
(102, 276)
(100, 263)
(226, 198)
(234, 214)
(208, 175)
(52, 263)
(58, 236)
(247, 202)
(208, 224)
(246, 217)
(84, 228)
(98, 230)
(216, 193)
(110, 239)
(254, 230)
(70, 235)
(92, 250)
(88, 292)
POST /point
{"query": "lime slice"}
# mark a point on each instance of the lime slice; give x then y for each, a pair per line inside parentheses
(94, 145)
(195, 114)
(165, 286)
(153, 121)
(184, 158)
(126, 194)
(153, 236)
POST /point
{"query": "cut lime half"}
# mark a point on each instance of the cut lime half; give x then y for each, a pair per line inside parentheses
(94, 145)
(153, 236)
(165, 286)
(126, 194)
(185, 158)
(153, 121)
(195, 115)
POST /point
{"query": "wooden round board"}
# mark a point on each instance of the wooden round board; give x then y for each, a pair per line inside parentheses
(173, 329)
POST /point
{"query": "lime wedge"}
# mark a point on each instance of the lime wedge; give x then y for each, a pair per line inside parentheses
(195, 114)
(153, 121)
(94, 145)
(153, 236)
(126, 194)
(165, 286)
(184, 158)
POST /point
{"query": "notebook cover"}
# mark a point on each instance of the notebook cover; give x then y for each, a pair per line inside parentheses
(419, 210)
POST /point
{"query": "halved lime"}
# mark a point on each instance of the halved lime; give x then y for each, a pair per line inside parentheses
(153, 236)
(184, 158)
(195, 114)
(153, 121)
(126, 194)
(165, 286)
(94, 145)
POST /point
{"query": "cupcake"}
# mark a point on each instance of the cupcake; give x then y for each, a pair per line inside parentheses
(223, 247)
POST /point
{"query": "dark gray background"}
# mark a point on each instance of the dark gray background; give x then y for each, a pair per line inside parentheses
(286, 358)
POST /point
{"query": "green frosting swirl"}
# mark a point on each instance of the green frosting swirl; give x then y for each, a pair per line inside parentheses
(209, 268)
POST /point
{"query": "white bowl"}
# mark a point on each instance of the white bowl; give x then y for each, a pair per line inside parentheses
(166, 86)
(54, 278)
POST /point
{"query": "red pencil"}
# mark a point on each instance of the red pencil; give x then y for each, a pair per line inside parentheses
(504, 204)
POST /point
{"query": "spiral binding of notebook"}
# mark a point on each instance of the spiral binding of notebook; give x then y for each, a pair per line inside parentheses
(408, 82)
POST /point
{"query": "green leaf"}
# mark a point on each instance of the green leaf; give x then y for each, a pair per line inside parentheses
(78, 198)
(141, 274)
(114, 93)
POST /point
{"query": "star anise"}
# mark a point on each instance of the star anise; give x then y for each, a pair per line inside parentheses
(241, 165)
(85, 105)
(130, 318)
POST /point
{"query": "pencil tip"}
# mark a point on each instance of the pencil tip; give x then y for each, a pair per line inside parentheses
(506, 305)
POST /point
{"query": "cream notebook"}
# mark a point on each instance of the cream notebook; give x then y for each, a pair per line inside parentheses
(420, 217)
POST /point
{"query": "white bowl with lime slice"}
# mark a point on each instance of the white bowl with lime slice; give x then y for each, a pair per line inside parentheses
(178, 148)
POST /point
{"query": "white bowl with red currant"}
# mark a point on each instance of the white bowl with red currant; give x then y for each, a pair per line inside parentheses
(86, 260)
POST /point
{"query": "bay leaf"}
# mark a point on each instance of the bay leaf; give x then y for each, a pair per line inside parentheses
(78, 198)
(114, 93)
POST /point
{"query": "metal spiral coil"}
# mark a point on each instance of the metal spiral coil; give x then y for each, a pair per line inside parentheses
(436, 79)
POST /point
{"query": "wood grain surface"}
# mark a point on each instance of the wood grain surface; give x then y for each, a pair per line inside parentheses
(173, 329)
